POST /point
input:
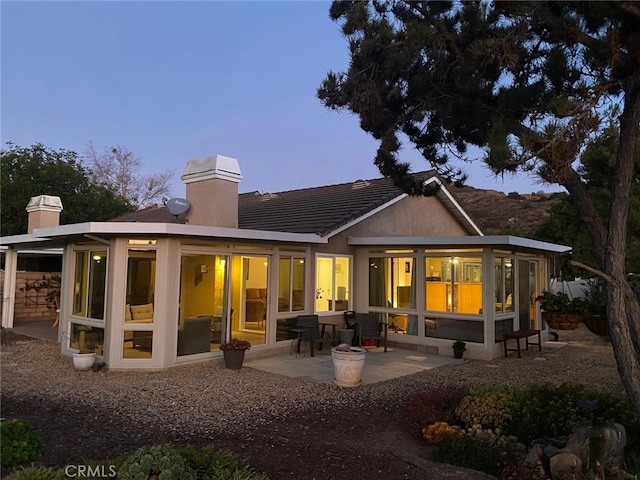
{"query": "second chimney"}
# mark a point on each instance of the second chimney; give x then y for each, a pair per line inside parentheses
(44, 211)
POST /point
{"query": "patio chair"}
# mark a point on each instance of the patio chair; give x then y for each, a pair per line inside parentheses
(369, 327)
(194, 335)
(311, 333)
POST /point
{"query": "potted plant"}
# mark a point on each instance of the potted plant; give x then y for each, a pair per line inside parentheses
(84, 358)
(459, 347)
(559, 311)
(347, 365)
(233, 352)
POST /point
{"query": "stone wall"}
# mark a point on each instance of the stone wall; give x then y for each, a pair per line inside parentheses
(30, 304)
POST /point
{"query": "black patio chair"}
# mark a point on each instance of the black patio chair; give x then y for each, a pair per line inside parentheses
(369, 327)
(311, 333)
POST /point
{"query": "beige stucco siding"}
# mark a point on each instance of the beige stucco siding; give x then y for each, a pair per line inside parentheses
(410, 217)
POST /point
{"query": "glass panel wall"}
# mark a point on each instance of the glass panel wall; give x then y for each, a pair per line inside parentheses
(333, 280)
(454, 329)
(139, 308)
(87, 339)
(454, 284)
(392, 285)
(291, 294)
(89, 284)
(504, 284)
(249, 298)
(291, 274)
(202, 308)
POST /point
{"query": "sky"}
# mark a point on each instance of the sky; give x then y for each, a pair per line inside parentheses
(178, 81)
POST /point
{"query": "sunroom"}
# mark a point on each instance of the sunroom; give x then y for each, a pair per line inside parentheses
(433, 291)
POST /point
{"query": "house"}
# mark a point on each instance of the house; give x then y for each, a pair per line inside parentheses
(151, 289)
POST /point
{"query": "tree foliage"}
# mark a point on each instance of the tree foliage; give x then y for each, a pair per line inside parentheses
(38, 170)
(119, 167)
(528, 82)
(565, 226)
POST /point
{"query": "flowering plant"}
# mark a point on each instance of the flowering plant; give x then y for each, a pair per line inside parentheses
(435, 433)
(559, 303)
(235, 344)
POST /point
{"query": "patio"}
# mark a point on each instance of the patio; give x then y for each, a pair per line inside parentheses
(378, 367)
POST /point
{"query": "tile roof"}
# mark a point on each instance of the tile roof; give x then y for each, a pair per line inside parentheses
(316, 210)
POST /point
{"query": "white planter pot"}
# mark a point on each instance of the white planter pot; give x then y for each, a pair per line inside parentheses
(347, 366)
(83, 361)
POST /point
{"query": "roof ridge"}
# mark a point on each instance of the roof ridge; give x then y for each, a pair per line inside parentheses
(432, 172)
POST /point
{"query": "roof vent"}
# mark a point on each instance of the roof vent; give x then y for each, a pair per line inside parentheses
(267, 196)
(359, 184)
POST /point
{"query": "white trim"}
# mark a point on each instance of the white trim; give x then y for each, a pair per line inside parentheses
(462, 241)
(366, 215)
(149, 229)
(442, 188)
(455, 203)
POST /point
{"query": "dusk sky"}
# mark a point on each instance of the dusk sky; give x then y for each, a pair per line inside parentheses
(177, 81)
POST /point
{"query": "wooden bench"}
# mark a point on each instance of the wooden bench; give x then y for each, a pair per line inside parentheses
(526, 334)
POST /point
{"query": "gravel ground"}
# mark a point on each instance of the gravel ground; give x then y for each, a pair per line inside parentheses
(285, 427)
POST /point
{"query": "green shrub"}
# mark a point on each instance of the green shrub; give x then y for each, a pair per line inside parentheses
(492, 409)
(426, 408)
(37, 473)
(548, 411)
(468, 452)
(495, 438)
(163, 461)
(211, 464)
(19, 442)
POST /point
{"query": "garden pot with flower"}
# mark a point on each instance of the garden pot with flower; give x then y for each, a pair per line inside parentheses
(233, 352)
(559, 311)
(348, 362)
(459, 347)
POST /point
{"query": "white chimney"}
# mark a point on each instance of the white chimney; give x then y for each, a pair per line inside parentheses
(44, 211)
(212, 190)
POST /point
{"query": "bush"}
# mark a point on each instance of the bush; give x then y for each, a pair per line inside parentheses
(37, 473)
(211, 464)
(548, 411)
(435, 433)
(19, 442)
(492, 409)
(162, 461)
(433, 406)
(467, 452)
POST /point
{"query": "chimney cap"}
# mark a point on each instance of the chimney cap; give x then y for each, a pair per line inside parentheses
(217, 166)
(49, 203)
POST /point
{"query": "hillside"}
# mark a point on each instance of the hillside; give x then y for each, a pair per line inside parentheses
(497, 213)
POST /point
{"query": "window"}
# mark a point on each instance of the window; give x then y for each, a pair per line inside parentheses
(291, 284)
(141, 275)
(89, 284)
(504, 282)
(392, 282)
(454, 284)
(333, 280)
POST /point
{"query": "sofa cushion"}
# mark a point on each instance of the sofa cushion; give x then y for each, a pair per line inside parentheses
(127, 313)
(142, 313)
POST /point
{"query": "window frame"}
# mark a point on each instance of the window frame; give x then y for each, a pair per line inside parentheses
(334, 258)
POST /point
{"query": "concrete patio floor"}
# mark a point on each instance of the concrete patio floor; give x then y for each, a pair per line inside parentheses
(378, 366)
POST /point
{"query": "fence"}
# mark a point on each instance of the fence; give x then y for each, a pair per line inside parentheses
(31, 304)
